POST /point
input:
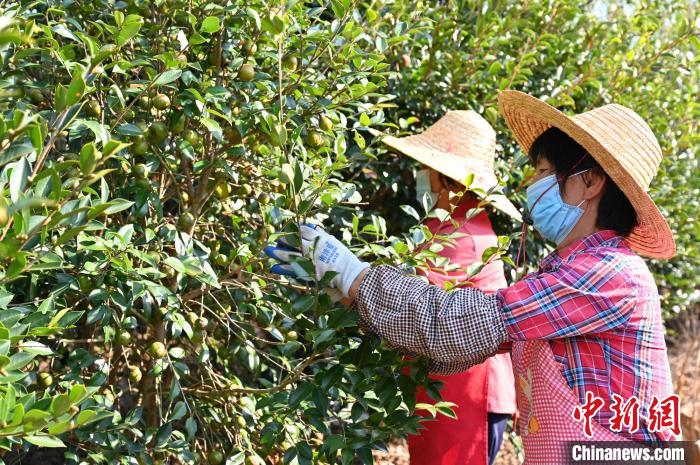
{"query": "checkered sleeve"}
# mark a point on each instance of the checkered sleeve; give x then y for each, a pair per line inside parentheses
(455, 330)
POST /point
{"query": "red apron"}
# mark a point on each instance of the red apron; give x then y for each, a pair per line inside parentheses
(484, 388)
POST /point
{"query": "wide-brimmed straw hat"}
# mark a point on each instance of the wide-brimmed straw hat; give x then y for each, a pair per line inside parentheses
(459, 143)
(622, 144)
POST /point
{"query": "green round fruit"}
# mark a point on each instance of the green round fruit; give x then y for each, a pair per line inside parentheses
(249, 48)
(186, 221)
(44, 379)
(290, 62)
(241, 421)
(140, 170)
(232, 135)
(264, 198)
(221, 259)
(157, 132)
(157, 350)
(161, 101)
(85, 283)
(325, 123)
(201, 323)
(215, 457)
(291, 336)
(135, 374)
(4, 216)
(124, 338)
(93, 108)
(139, 148)
(245, 190)
(316, 139)
(246, 73)
(191, 136)
(223, 190)
(144, 103)
(129, 115)
(35, 96)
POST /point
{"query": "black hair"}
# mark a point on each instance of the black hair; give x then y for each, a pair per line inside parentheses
(614, 211)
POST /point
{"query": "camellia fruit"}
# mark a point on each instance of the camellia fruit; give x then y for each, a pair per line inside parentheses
(290, 62)
(215, 457)
(325, 123)
(232, 135)
(186, 220)
(157, 350)
(140, 170)
(4, 216)
(124, 338)
(223, 190)
(93, 108)
(291, 336)
(161, 101)
(135, 374)
(316, 139)
(245, 190)
(157, 132)
(246, 73)
(139, 148)
(191, 136)
(144, 103)
(249, 48)
(44, 379)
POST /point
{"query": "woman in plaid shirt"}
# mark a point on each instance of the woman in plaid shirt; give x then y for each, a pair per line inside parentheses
(586, 325)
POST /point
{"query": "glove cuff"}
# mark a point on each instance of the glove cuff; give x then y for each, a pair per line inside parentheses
(349, 274)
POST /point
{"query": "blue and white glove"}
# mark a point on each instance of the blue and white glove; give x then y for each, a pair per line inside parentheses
(326, 253)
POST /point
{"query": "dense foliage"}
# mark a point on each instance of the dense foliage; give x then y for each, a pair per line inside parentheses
(151, 149)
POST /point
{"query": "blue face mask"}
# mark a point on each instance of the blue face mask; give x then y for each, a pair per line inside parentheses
(553, 218)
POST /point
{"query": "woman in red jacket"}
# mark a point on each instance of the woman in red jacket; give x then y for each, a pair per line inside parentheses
(459, 143)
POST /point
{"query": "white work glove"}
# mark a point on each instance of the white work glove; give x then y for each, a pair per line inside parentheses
(326, 253)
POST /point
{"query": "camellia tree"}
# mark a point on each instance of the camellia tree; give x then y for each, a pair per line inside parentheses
(150, 150)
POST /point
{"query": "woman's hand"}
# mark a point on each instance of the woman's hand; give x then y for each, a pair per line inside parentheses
(327, 254)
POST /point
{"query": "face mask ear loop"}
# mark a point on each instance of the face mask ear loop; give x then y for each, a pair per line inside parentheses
(526, 220)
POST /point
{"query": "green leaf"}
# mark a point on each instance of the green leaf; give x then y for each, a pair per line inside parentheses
(167, 77)
(210, 25)
(60, 405)
(18, 178)
(85, 416)
(128, 30)
(35, 419)
(88, 157)
(77, 393)
(76, 89)
(45, 441)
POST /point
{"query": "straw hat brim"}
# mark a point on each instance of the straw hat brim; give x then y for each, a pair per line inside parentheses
(453, 167)
(528, 117)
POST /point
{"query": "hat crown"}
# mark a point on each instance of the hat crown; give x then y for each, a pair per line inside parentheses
(466, 134)
(628, 137)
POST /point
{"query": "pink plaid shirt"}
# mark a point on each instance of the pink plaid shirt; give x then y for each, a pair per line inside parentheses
(597, 304)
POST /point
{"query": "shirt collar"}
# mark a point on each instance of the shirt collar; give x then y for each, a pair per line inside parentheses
(602, 238)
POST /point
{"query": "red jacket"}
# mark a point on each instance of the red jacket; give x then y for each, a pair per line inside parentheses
(489, 387)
